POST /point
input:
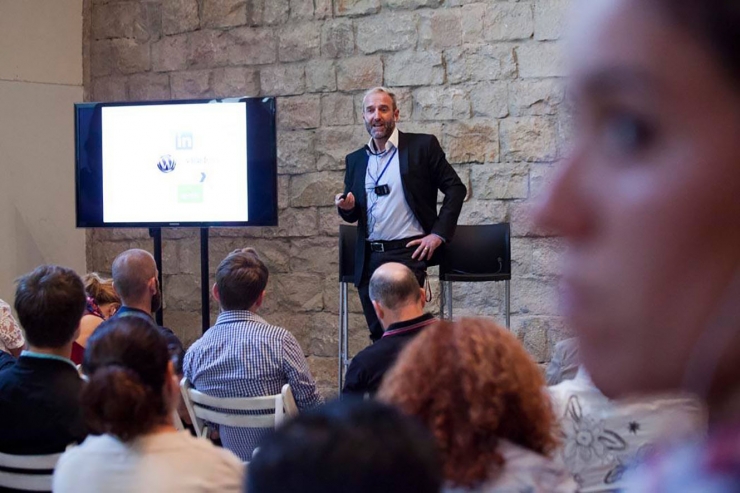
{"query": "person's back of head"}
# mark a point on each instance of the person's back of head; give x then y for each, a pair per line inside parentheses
(129, 392)
(99, 289)
(241, 279)
(349, 445)
(472, 383)
(50, 301)
(134, 271)
(395, 291)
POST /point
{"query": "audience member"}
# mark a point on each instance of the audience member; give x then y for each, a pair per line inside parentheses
(603, 438)
(398, 301)
(244, 356)
(102, 303)
(564, 362)
(128, 403)
(479, 392)
(11, 336)
(647, 204)
(135, 279)
(39, 394)
(349, 446)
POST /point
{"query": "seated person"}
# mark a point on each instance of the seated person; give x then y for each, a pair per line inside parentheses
(603, 438)
(483, 397)
(11, 336)
(398, 301)
(244, 356)
(128, 403)
(39, 394)
(349, 446)
(102, 303)
(135, 279)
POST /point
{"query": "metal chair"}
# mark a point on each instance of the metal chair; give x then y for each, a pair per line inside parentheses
(347, 244)
(27, 472)
(205, 409)
(476, 254)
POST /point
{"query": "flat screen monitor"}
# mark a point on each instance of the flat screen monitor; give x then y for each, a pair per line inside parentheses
(195, 163)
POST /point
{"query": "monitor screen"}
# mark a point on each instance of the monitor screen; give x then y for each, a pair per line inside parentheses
(176, 163)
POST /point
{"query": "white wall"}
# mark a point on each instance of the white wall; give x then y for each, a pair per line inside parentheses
(40, 80)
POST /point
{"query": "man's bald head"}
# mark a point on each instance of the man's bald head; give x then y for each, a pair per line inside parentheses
(393, 285)
(132, 270)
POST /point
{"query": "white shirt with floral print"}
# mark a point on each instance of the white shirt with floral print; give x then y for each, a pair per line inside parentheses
(11, 336)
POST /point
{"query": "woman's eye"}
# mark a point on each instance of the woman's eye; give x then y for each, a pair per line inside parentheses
(625, 133)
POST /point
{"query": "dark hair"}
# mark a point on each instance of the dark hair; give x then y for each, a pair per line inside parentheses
(716, 22)
(131, 271)
(99, 289)
(350, 445)
(126, 361)
(395, 289)
(50, 301)
(241, 277)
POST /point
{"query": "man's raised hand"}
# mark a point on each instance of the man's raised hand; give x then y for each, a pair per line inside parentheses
(345, 202)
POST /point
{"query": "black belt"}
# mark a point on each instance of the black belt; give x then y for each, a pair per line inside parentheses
(387, 246)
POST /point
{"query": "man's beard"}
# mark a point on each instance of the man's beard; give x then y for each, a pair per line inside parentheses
(387, 128)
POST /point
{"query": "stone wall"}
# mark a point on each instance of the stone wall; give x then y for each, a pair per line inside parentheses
(484, 76)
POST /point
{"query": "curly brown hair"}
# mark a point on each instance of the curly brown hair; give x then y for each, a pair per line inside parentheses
(472, 383)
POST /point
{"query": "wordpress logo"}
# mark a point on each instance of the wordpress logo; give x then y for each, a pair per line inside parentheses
(166, 164)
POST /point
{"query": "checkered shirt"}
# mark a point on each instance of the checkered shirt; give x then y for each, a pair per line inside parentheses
(244, 356)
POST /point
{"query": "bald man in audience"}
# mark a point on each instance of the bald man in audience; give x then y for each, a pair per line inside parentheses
(399, 302)
(135, 279)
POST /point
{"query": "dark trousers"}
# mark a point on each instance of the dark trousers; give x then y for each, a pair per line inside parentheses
(373, 260)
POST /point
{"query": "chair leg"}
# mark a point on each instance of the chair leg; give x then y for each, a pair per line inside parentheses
(448, 295)
(343, 330)
(507, 284)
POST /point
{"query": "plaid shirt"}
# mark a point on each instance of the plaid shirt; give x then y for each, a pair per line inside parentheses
(244, 356)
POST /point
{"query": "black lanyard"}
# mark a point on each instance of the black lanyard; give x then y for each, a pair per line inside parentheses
(387, 163)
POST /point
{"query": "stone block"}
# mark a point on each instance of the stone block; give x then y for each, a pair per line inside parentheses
(329, 222)
(102, 58)
(476, 211)
(207, 49)
(528, 139)
(283, 191)
(472, 141)
(297, 292)
(337, 109)
(252, 46)
(187, 259)
(500, 181)
(334, 143)
(356, 7)
(411, 4)
(105, 252)
(179, 16)
(441, 103)
(542, 177)
(480, 299)
(550, 18)
(331, 296)
(232, 82)
(149, 87)
(318, 255)
(299, 112)
(120, 20)
(322, 9)
(301, 9)
(294, 222)
(181, 292)
(324, 371)
(536, 97)
(316, 189)
(471, 20)
(170, 53)
(540, 59)
(324, 334)
(321, 76)
(531, 256)
(223, 13)
(276, 12)
(130, 56)
(386, 33)
(480, 63)
(489, 99)
(296, 153)
(533, 296)
(282, 80)
(521, 215)
(440, 29)
(299, 42)
(505, 21)
(337, 38)
(358, 73)
(275, 253)
(191, 85)
(414, 68)
(185, 324)
(539, 335)
(109, 89)
(118, 234)
(416, 127)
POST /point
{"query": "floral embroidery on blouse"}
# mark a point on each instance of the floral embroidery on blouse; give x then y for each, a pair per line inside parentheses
(11, 336)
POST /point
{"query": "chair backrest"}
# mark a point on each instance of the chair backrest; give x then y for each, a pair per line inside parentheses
(478, 253)
(27, 472)
(204, 409)
(347, 245)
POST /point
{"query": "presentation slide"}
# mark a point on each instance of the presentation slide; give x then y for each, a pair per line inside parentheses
(175, 163)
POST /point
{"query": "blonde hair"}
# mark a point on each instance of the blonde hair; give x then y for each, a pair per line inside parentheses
(99, 289)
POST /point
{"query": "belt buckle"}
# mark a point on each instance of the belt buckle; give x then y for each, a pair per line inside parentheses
(377, 246)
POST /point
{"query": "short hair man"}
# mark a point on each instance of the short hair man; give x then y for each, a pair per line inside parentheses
(244, 356)
(390, 191)
(357, 446)
(136, 280)
(39, 393)
(398, 301)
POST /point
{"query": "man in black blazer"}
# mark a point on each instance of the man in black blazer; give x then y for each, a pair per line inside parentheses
(390, 190)
(40, 393)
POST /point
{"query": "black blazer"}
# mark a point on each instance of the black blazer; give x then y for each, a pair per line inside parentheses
(424, 171)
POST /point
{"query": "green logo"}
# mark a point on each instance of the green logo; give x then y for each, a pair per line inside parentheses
(190, 194)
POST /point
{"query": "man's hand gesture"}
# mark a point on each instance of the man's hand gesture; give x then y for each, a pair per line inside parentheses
(346, 203)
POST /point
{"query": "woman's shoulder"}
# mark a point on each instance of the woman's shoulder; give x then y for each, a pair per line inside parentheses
(524, 468)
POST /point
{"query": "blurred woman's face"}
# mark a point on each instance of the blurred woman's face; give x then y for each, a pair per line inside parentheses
(649, 197)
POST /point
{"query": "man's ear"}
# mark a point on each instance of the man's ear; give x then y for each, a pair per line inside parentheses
(214, 291)
(378, 309)
(423, 295)
(396, 114)
(260, 300)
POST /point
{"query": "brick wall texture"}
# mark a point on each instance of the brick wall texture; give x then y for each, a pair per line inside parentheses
(484, 76)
